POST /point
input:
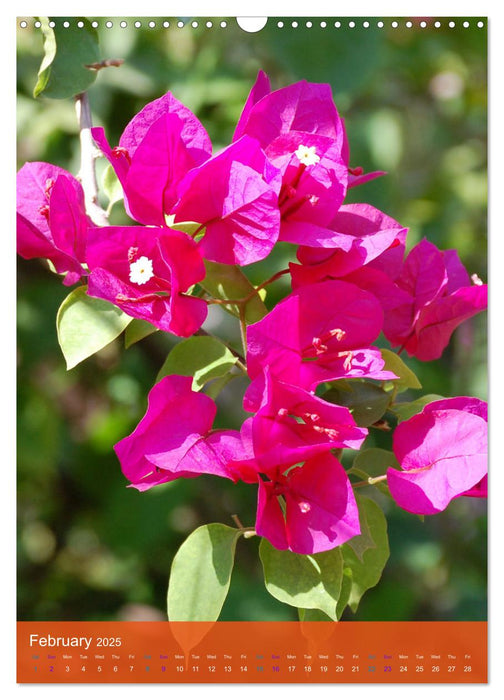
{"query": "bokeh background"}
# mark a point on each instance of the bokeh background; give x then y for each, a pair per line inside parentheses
(414, 102)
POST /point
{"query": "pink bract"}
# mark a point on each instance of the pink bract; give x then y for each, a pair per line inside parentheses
(299, 128)
(302, 106)
(292, 425)
(441, 297)
(318, 333)
(443, 454)
(193, 134)
(478, 408)
(159, 297)
(358, 235)
(320, 508)
(312, 192)
(51, 218)
(160, 162)
(174, 439)
(156, 150)
(234, 196)
(261, 88)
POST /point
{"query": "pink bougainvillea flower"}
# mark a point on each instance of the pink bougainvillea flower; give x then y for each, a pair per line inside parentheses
(368, 252)
(156, 150)
(470, 405)
(292, 425)
(234, 195)
(145, 271)
(175, 438)
(302, 134)
(299, 107)
(441, 297)
(260, 88)
(313, 182)
(51, 218)
(321, 332)
(318, 510)
(358, 235)
(443, 454)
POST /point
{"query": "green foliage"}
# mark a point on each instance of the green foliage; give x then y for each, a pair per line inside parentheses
(229, 282)
(407, 409)
(201, 357)
(373, 461)
(365, 556)
(111, 186)
(303, 581)
(201, 574)
(366, 401)
(67, 53)
(137, 330)
(306, 615)
(407, 379)
(190, 227)
(85, 325)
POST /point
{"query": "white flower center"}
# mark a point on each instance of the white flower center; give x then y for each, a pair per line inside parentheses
(141, 270)
(307, 155)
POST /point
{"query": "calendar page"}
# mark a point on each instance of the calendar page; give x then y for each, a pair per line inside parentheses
(252, 350)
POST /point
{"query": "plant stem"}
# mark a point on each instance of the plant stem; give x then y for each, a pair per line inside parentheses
(246, 531)
(243, 329)
(87, 174)
(271, 279)
(256, 290)
(241, 365)
(237, 522)
(370, 481)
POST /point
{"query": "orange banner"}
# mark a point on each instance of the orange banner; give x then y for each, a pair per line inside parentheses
(252, 652)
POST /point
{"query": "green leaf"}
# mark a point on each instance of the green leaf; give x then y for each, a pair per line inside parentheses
(367, 402)
(229, 282)
(346, 590)
(214, 387)
(303, 581)
(137, 330)
(67, 52)
(86, 324)
(313, 616)
(201, 573)
(361, 543)
(406, 410)
(111, 186)
(374, 461)
(407, 378)
(201, 357)
(189, 227)
(367, 565)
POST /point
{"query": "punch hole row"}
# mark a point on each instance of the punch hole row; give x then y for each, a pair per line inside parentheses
(109, 24)
(281, 24)
(366, 24)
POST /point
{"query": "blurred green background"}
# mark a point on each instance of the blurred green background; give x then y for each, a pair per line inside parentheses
(414, 102)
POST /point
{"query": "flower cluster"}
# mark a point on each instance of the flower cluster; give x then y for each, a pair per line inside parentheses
(284, 177)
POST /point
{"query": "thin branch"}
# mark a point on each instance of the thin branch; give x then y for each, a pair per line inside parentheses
(370, 481)
(243, 329)
(99, 65)
(87, 174)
